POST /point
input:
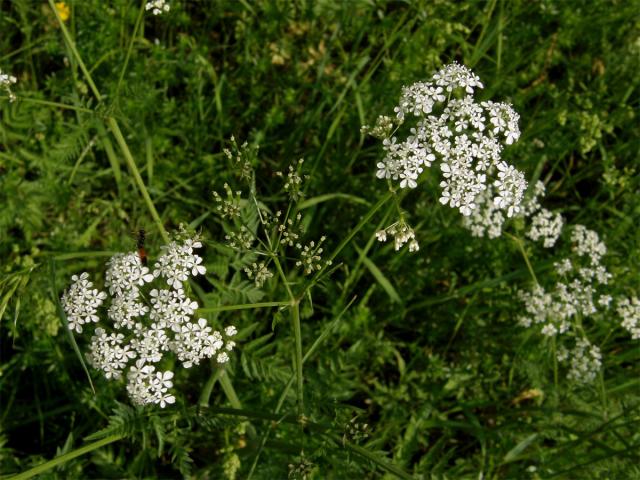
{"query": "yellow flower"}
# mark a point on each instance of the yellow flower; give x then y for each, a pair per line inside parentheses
(63, 11)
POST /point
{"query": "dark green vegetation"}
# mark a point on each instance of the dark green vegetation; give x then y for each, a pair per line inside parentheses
(429, 354)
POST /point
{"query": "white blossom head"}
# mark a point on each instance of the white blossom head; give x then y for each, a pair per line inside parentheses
(465, 137)
(81, 302)
(6, 81)
(178, 262)
(158, 7)
(125, 273)
(145, 324)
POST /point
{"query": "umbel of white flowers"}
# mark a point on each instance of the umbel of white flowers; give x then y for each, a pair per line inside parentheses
(146, 323)
(6, 81)
(158, 7)
(464, 136)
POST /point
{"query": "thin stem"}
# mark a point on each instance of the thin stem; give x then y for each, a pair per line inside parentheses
(554, 352)
(524, 255)
(208, 387)
(242, 306)
(74, 51)
(133, 38)
(66, 457)
(115, 129)
(297, 333)
(283, 277)
(54, 104)
(229, 391)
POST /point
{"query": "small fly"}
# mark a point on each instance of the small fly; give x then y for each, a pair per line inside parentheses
(142, 253)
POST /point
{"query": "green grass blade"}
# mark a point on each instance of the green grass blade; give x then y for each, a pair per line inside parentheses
(63, 316)
(62, 459)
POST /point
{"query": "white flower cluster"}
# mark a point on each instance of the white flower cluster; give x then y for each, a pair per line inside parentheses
(466, 136)
(585, 361)
(576, 293)
(629, 311)
(146, 326)
(401, 233)
(546, 226)
(6, 81)
(81, 302)
(259, 273)
(158, 7)
(178, 262)
(488, 219)
(228, 207)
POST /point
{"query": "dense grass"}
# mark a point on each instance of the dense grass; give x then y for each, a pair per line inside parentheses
(423, 348)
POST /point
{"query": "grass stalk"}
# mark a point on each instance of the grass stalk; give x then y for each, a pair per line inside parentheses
(130, 48)
(47, 103)
(72, 46)
(62, 459)
(297, 333)
(518, 242)
(243, 306)
(115, 129)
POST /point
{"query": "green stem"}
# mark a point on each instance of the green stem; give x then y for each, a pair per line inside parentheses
(229, 391)
(242, 306)
(115, 129)
(283, 277)
(297, 333)
(133, 38)
(66, 457)
(55, 104)
(372, 457)
(74, 51)
(524, 255)
(345, 241)
(208, 387)
(113, 125)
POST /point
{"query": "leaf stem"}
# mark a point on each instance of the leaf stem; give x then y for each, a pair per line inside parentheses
(243, 306)
(115, 129)
(229, 391)
(524, 255)
(65, 458)
(133, 38)
(297, 333)
(74, 50)
(47, 103)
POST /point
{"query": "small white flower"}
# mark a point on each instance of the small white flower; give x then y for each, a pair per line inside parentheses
(629, 311)
(6, 81)
(158, 7)
(546, 226)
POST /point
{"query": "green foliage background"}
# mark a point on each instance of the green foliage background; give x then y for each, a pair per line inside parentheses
(429, 354)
